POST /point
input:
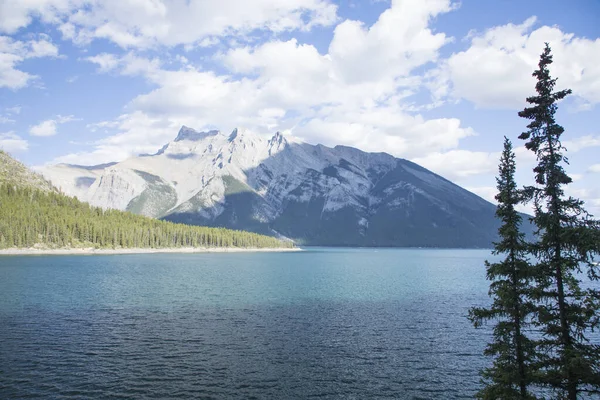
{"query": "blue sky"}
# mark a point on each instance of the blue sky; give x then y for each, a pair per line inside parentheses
(439, 82)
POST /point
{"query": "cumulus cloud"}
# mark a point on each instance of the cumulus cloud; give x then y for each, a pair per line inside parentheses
(357, 90)
(495, 71)
(322, 98)
(383, 128)
(11, 142)
(147, 23)
(398, 42)
(13, 52)
(48, 127)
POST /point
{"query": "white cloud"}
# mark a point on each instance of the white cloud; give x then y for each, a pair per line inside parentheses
(398, 42)
(106, 62)
(356, 91)
(495, 71)
(44, 128)
(489, 193)
(323, 98)
(16, 14)
(292, 87)
(41, 48)
(48, 127)
(13, 52)
(135, 133)
(486, 192)
(590, 195)
(11, 142)
(385, 128)
(577, 177)
(594, 168)
(102, 125)
(582, 142)
(524, 157)
(459, 164)
(9, 113)
(147, 23)
(128, 64)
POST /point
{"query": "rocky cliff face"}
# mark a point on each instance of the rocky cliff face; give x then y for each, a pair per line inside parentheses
(310, 193)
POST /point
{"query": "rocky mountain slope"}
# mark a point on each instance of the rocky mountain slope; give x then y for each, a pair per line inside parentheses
(311, 193)
(15, 173)
(34, 215)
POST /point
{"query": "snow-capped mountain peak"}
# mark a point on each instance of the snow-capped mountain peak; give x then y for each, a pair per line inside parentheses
(315, 194)
(190, 134)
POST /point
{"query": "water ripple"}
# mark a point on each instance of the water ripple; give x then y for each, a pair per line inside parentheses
(265, 326)
(310, 351)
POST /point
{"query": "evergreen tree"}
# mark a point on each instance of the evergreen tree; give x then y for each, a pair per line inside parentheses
(511, 372)
(30, 217)
(567, 241)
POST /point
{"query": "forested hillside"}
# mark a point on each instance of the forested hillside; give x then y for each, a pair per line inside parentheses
(32, 213)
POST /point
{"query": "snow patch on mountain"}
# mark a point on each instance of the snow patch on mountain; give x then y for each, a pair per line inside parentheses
(279, 169)
(249, 181)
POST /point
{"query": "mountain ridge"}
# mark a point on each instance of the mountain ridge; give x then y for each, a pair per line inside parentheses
(314, 194)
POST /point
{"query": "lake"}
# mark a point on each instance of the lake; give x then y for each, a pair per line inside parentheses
(322, 323)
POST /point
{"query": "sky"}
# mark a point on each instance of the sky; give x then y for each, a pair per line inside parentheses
(438, 82)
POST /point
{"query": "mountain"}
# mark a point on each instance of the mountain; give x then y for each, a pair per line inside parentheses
(313, 194)
(34, 214)
(15, 173)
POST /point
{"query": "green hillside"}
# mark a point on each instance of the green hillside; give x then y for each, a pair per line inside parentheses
(32, 213)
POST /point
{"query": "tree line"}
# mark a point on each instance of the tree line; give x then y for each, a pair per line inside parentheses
(30, 216)
(544, 311)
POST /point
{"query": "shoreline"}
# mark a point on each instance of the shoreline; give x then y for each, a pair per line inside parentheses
(181, 250)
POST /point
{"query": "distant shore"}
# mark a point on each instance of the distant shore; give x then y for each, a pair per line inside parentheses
(94, 251)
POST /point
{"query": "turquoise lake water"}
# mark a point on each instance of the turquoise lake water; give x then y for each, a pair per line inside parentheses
(322, 323)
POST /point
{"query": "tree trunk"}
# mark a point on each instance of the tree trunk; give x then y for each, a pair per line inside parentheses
(518, 338)
(564, 326)
(565, 333)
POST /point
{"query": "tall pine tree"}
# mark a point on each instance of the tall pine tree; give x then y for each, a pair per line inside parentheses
(568, 237)
(511, 372)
